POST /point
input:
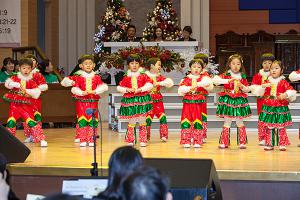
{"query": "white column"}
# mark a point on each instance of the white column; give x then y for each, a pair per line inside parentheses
(76, 31)
(63, 43)
(205, 18)
(90, 25)
(196, 19)
(185, 13)
(195, 13)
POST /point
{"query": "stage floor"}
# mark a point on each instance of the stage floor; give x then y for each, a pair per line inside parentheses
(64, 158)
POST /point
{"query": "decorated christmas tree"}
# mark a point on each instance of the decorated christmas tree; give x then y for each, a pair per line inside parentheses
(113, 24)
(163, 16)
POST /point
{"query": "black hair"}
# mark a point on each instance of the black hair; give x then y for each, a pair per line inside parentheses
(133, 57)
(280, 64)
(200, 61)
(123, 161)
(43, 65)
(162, 34)
(62, 197)
(146, 183)
(188, 29)
(8, 60)
(267, 56)
(231, 58)
(86, 57)
(131, 26)
(26, 61)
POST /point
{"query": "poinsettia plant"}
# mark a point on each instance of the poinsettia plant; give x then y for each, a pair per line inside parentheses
(169, 59)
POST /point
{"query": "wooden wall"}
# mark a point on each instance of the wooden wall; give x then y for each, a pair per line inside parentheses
(226, 16)
(28, 27)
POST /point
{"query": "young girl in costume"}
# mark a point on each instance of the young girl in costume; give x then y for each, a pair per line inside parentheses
(154, 64)
(23, 92)
(204, 57)
(233, 102)
(194, 89)
(86, 91)
(275, 115)
(259, 79)
(136, 103)
(37, 103)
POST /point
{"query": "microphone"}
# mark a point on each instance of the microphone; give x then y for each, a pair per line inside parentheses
(90, 111)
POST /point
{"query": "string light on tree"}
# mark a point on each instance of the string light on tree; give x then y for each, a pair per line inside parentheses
(163, 16)
(113, 24)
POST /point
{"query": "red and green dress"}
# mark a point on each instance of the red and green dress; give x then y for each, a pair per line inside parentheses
(139, 104)
(135, 106)
(158, 105)
(275, 113)
(232, 102)
(192, 112)
(87, 82)
(23, 91)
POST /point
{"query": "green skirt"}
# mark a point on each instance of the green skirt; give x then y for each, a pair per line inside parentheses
(272, 116)
(233, 107)
(135, 106)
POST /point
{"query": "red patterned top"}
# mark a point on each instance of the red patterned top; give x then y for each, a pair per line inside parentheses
(22, 90)
(272, 92)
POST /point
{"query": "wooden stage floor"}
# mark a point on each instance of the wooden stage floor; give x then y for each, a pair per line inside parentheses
(64, 158)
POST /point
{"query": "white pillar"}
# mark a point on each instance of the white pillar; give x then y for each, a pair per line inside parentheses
(195, 13)
(76, 31)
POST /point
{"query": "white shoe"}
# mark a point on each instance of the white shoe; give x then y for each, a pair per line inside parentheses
(243, 146)
(282, 148)
(143, 144)
(83, 144)
(44, 143)
(77, 140)
(130, 144)
(268, 148)
(222, 146)
(27, 140)
(262, 143)
(197, 146)
(91, 144)
(186, 146)
(164, 139)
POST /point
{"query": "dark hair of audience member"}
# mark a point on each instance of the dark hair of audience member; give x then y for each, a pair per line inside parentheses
(147, 184)
(124, 161)
(3, 163)
(43, 65)
(62, 197)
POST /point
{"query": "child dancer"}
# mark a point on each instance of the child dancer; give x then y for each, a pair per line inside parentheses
(37, 103)
(194, 88)
(275, 114)
(233, 102)
(23, 90)
(205, 59)
(86, 89)
(136, 104)
(259, 79)
(154, 64)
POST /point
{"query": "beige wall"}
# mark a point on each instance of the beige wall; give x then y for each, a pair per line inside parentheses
(28, 27)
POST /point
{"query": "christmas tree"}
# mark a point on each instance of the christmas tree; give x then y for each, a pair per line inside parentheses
(113, 24)
(163, 16)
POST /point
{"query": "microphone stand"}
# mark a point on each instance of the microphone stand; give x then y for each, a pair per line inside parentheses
(94, 170)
